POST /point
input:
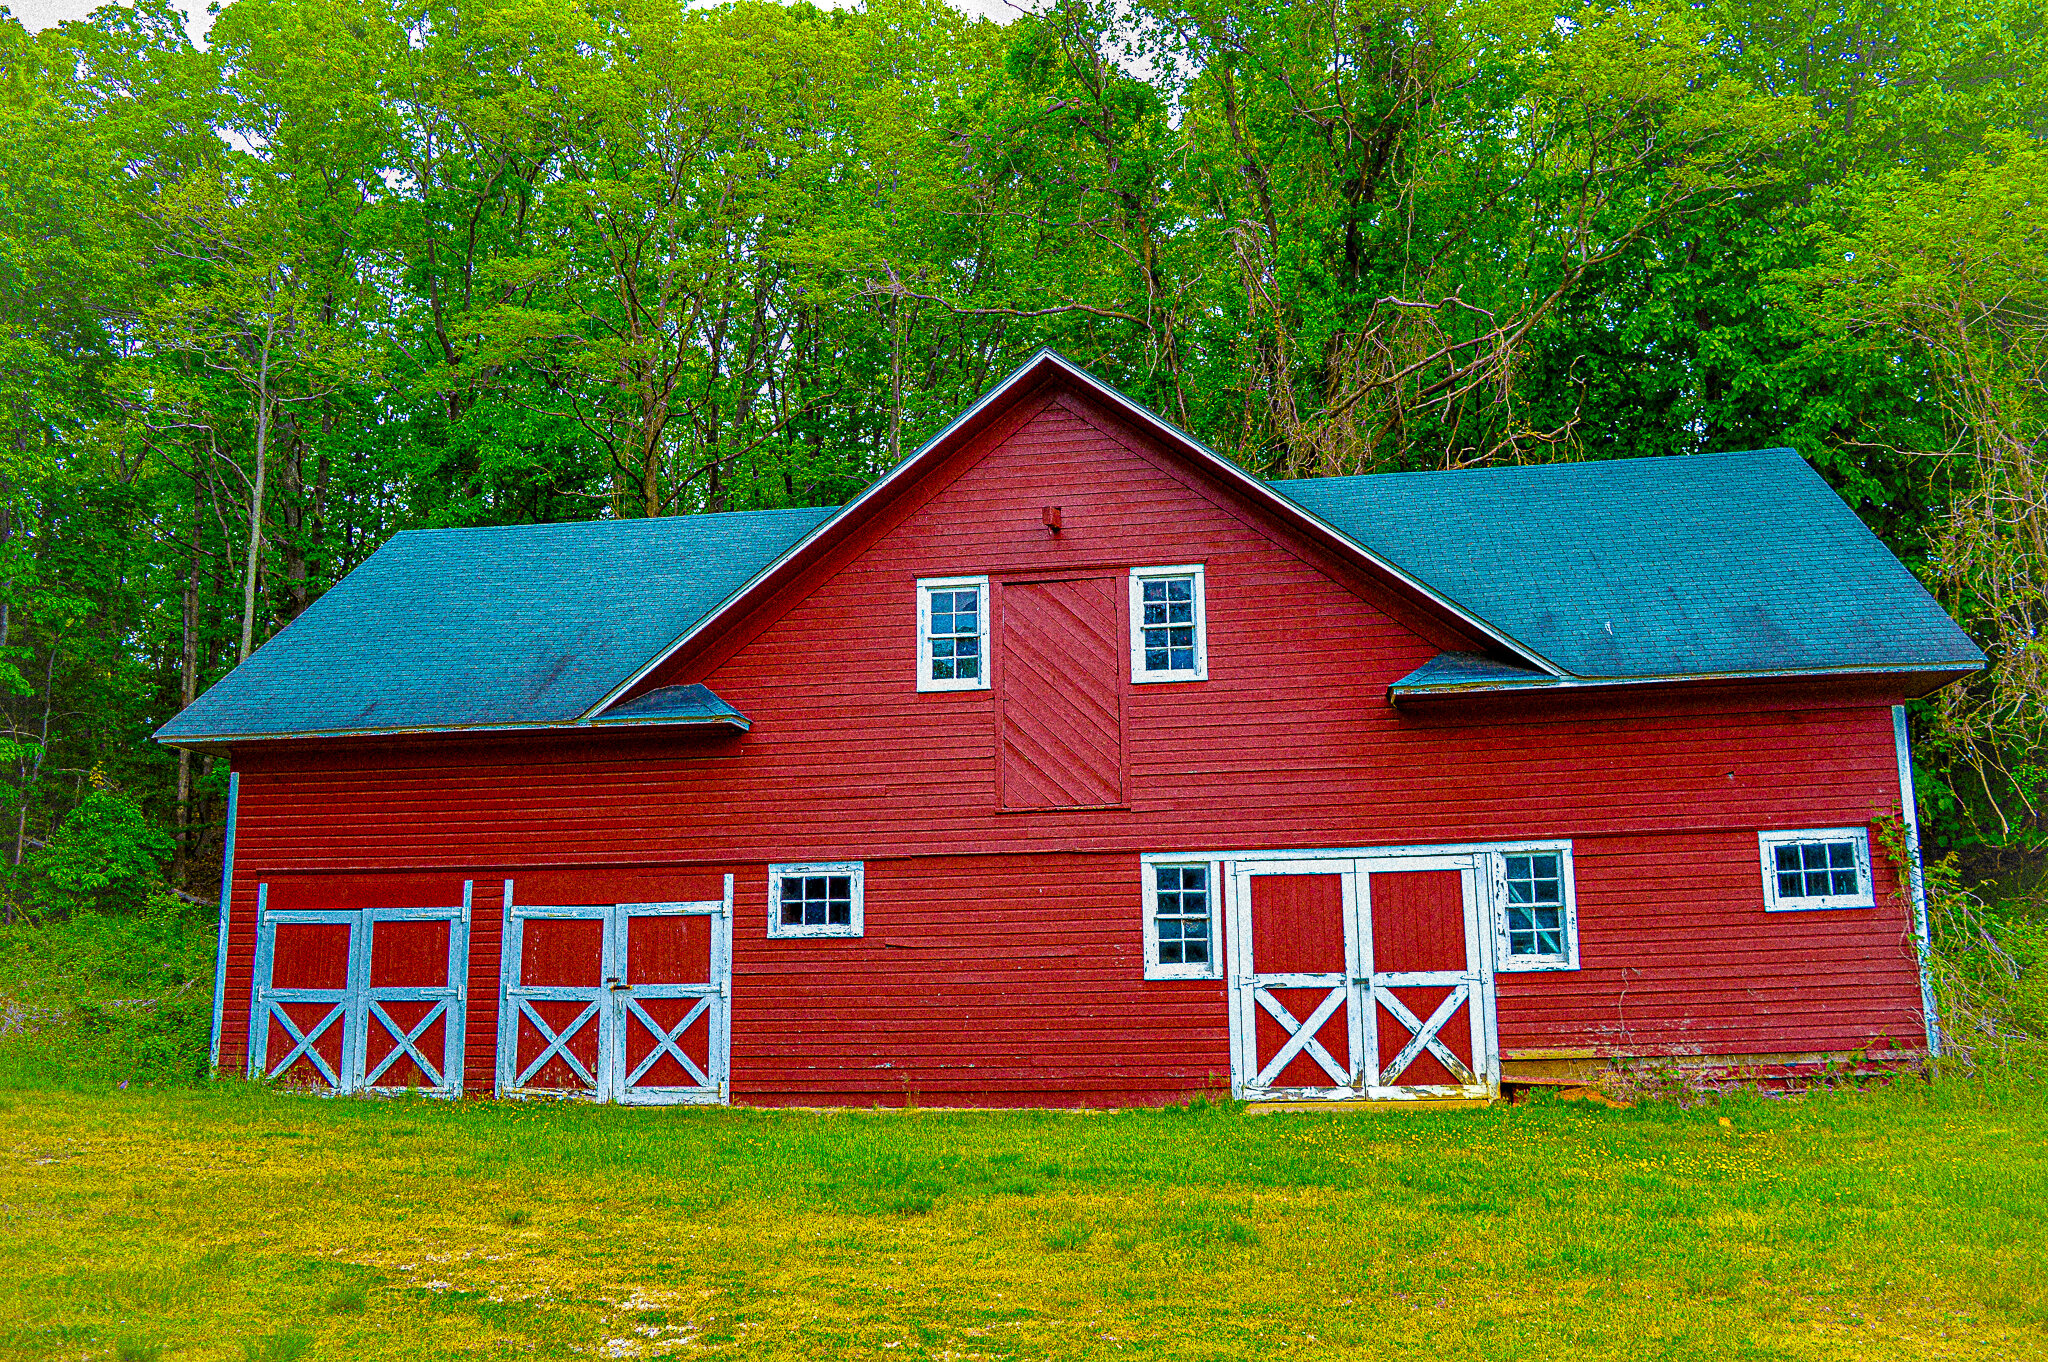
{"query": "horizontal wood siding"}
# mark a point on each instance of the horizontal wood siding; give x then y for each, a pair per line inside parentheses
(1003, 957)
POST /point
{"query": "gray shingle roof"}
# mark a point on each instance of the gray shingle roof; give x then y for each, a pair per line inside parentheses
(1699, 565)
(691, 704)
(1677, 567)
(514, 625)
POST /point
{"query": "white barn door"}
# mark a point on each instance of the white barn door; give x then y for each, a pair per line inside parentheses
(1360, 977)
(361, 999)
(622, 1002)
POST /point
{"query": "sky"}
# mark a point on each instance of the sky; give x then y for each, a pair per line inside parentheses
(40, 14)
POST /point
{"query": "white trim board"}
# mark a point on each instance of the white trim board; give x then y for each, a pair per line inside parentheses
(1909, 813)
(227, 895)
(1409, 852)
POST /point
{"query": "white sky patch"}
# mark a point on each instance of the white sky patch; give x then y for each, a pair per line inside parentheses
(36, 15)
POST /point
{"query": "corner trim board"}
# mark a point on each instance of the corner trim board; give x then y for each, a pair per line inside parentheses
(1909, 814)
(220, 948)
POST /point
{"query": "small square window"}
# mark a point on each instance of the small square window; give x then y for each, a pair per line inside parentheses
(1169, 639)
(815, 900)
(1829, 868)
(1180, 920)
(1536, 926)
(952, 633)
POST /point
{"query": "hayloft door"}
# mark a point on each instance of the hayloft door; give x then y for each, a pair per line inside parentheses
(1296, 1025)
(625, 1002)
(1060, 694)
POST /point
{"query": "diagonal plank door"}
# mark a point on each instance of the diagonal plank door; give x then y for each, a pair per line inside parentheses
(1060, 664)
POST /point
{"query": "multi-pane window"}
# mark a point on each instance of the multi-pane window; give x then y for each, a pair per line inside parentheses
(1535, 905)
(1822, 869)
(952, 634)
(1168, 627)
(1180, 905)
(815, 900)
(1182, 916)
(1536, 923)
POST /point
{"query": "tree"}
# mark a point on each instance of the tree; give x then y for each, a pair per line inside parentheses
(1954, 271)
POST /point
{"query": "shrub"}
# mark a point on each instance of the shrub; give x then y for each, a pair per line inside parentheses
(105, 856)
(1988, 962)
(105, 999)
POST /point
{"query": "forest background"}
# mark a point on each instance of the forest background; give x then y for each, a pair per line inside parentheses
(361, 266)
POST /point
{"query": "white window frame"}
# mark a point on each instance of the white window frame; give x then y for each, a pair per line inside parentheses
(1139, 576)
(1774, 902)
(1153, 968)
(925, 587)
(1504, 960)
(856, 870)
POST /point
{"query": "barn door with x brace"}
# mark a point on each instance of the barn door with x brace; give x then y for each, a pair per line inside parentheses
(1359, 977)
(619, 1002)
(361, 999)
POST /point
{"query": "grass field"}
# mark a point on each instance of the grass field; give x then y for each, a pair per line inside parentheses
(234, 1223)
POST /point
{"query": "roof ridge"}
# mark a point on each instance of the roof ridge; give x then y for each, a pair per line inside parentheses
(693, 516)
(1703, 455)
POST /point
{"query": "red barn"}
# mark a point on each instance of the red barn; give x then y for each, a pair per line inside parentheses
(1069, 764)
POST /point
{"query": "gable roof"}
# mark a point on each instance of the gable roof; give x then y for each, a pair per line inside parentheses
(508, 627)
(1690, 567)
(1031, 376)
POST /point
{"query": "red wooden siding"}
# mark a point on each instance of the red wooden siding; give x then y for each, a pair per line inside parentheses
(1003, 955)
(1418, 921)
(1298, 924)
(1061, 703)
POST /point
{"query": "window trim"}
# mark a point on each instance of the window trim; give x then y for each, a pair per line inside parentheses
(1141, 575)
(856, 870)
(1767, 844)
(1149, 925)
(925, 587)
(1504, 961)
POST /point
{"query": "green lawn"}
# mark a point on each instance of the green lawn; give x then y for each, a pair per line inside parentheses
(235, 1223)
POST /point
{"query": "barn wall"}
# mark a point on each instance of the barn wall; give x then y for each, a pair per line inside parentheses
(1290, 744)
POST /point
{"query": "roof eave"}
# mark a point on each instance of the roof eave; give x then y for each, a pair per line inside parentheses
(1939, 674)
(202, 741)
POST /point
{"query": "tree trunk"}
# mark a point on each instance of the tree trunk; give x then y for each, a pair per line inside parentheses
(188, 691)
(256, 498)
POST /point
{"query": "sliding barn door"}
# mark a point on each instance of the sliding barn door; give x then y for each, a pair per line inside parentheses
(1059, 670)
